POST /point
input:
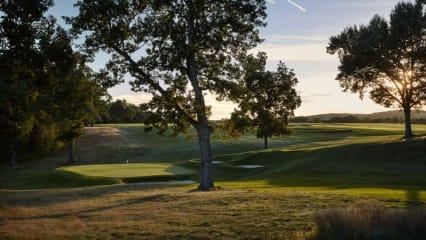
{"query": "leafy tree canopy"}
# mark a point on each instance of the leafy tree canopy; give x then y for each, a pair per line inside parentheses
(268, 98)
(386, 58)
(22, 25)
(175, 50)
(45, 87)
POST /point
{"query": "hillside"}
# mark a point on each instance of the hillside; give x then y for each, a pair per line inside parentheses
(120, 186)
(378, 116)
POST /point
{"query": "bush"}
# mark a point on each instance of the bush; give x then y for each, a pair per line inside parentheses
(371, 222)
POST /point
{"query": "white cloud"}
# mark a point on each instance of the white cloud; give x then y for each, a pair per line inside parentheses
(135, 99)
(296, 52)
(271, 1)
(320, 93)
(278, 38)
(297, 5)
(220, 109)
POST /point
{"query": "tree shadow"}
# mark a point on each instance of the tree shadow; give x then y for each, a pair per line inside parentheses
(32, 198)
(126, 203)
(393, 166)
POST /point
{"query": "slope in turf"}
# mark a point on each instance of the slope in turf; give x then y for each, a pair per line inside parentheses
(129, 170)
(315, 155)
(318, 167)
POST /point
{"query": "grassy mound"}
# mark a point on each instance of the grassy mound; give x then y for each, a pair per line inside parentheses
(23, 178)
(128, 170)
(132, 172)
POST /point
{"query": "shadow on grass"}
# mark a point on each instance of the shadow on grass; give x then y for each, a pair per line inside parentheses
(155, 197)
(49, 178)
(394, 166)
(44, 187)
(30, 198)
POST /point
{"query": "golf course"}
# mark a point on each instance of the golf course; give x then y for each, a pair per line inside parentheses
(212, 120)
(131, 184)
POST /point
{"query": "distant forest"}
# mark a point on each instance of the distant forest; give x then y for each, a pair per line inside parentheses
(378, 117)
(121, 111)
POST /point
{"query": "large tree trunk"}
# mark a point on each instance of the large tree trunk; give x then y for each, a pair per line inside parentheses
(407, 118)
(265, 141)
(70, 151)
(202, 126)
(206, 181)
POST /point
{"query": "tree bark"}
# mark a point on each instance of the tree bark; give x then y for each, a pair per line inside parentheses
(407, 118)
(265, 140)
(70, 151)
(203, 128)
(206, 180)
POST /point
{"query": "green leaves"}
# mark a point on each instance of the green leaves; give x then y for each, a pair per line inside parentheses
(47, 92)
(150, 41)
(21, 66)
(267, 99)
(176, 51)
(385, 58)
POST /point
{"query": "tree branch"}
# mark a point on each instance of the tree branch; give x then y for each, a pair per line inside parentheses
(392, 95)
(393, 78)
(134, 66)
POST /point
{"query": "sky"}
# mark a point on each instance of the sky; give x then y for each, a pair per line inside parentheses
(297, 33)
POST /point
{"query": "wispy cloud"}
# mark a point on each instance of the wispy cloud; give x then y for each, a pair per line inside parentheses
(297, 5)
(296, 52)
(285, 39)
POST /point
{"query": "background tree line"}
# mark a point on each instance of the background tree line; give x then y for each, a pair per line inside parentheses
(418, 117)
(353, 119)
(47, 91)
(120, 111)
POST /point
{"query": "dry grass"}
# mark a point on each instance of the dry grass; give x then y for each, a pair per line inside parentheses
(139, 211)
(306, 176)
(371, 222)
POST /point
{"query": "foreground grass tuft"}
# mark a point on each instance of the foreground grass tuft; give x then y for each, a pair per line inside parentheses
(370, 222)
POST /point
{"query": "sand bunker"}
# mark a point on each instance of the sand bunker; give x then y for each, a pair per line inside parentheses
(250, 166)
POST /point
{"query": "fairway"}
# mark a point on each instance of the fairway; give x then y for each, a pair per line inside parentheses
(317, 168)
(128, 170)
(212, 120)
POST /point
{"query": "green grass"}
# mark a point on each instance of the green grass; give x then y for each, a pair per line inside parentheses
(318, 167)
(132, 172)
(317, 155)
(128, 170)
(29, 178)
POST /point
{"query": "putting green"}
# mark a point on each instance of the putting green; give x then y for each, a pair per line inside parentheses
(128, 170)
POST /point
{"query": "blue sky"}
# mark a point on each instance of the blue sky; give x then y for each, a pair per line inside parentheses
(297, 33)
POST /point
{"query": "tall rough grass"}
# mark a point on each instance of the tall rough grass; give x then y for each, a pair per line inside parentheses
(371, 222)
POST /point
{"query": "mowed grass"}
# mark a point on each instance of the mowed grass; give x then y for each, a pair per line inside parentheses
(131, 171)
(317, 168)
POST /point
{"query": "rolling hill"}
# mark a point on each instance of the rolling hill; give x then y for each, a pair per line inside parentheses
(386, 116)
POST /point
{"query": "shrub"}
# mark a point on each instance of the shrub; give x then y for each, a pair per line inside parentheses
(370, 222)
